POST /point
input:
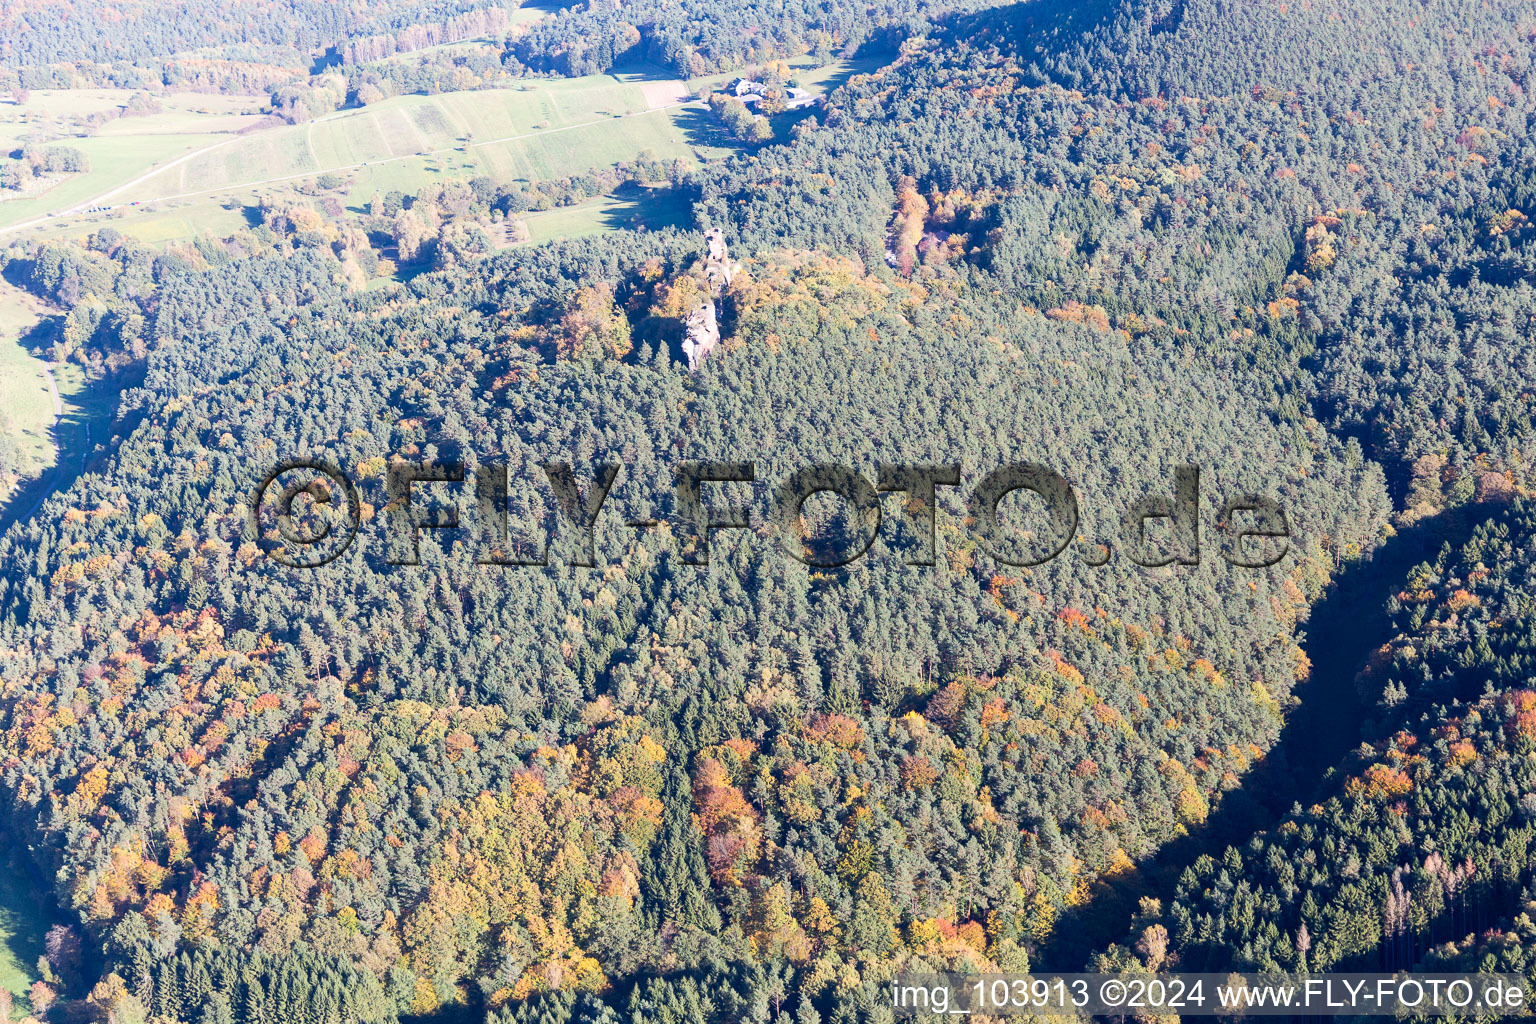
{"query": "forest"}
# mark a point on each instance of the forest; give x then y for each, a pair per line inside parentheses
(1289, 244)
(1426, 845)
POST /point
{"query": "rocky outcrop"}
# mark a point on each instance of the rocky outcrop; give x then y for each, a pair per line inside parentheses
(702, 326)
(701, 334)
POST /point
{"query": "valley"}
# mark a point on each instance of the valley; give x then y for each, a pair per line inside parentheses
(671, 767)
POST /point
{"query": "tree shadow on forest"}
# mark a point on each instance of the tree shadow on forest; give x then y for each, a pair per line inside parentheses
(1312, 754)
(466, 1013)
(81, 433)
(549, 6)
(28, 494)
(702, 129)
(1027, 28)
(82, 438)
(649, 207)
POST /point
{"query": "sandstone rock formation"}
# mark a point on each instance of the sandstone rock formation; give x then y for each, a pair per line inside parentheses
(702, 327)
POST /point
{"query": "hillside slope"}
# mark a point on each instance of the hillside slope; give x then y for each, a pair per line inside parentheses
(1107, 239)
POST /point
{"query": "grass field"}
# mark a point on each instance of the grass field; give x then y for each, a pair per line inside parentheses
(153, 224)
(191, 112)
(49, 114)
(25, 403)
(633, 206)
(85, 420)
(537, 129)
(121, 148)
(113, 161)
(546, 129)
(542, 130)
(24, 920)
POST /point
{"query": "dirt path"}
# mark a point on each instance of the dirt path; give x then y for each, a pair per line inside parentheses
(661, 94)
(58, 403)
(103, 197)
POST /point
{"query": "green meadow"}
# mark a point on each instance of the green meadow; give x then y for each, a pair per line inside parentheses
(541, 130)
(25, 402)
(184, 171)
(25, 918)
(632, 207)
(120, 149)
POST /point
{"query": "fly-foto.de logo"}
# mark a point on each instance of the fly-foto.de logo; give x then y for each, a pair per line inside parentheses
(306, 512)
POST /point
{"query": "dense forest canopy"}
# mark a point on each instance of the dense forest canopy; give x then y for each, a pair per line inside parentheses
(37, 32)
(1286, 243)
(193, 45)
(1425, 854)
